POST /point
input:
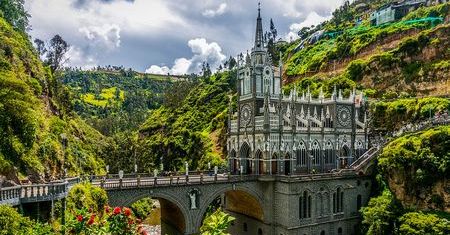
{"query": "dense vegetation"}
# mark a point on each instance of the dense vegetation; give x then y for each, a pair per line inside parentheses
(193, 131)
(384, 215)
(377, 58)
(412, 201)
(114, 100)
(390, 115)
(39, 137)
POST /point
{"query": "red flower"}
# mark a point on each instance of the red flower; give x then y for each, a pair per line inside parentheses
(91, 220)
(130, 222)
(117, 210)
(107, 209)
(79, 218)
(126, 211)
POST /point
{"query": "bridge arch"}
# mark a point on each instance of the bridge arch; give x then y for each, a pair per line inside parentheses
(247, 195)
(173, 211)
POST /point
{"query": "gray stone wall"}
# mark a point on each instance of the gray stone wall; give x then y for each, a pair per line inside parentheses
(278, 198)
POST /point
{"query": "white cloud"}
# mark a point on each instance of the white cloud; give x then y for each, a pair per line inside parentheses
(203, 52)
(155, 69)
(78, 58)
(312, 19)
(215, 12)
(107, 35)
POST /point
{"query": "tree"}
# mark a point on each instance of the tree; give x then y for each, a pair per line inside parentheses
(231, 63)
(56, 53)
(14, 12)
(216, 223)
(40, 46)
(271, 47)
(419, 223)
(273, 30)
(380, 214)
(206, 70)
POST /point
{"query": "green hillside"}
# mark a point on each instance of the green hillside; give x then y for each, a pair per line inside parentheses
(194, 130)
(33, 119)
(114, 100)
(409, 56)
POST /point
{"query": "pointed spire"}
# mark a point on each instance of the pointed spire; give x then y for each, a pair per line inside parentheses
(247, 59)
(259, 37)
(321, 95)
(322, 116)
(340, 94)
(334, 95)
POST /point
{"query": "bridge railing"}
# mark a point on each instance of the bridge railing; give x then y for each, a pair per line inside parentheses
(171, 180)
(36, 192)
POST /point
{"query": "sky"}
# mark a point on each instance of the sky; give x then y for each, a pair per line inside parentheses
(166, 36)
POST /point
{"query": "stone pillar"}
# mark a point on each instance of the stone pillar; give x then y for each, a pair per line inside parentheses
(63, 216)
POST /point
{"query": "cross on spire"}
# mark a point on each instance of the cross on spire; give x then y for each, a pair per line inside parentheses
(259, 41)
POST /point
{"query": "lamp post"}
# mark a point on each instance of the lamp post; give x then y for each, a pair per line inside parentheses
(64, 145)
(120, 178)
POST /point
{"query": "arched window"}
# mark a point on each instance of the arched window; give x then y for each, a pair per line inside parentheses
(358, 202)
(305, 205)
(322, 233)
(245, 227)
(339, 231)
(359, 149)
(260, 231)
(329, 152)
(316, 153)
(338, 201)
(320, 204)
(301, 154)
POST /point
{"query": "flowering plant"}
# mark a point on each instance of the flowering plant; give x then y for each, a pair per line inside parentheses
(118, 221)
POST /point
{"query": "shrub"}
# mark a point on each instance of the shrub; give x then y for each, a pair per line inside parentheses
(84, 195)
(417, 223)
(143, 208)
(216, 223)
(11, 222)
(379, 215)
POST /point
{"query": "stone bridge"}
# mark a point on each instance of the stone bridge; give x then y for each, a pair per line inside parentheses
(185, 200)
(262, 204)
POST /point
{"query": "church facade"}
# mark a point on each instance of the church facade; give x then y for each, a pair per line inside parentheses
(273, 133)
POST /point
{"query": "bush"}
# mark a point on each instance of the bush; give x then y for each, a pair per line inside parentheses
(216, 223)
(143, 208)
(12, 223)
(84, 195)
(427, 151)
(379, 215)
(417, 223)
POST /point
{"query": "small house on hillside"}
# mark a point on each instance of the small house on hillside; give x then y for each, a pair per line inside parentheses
(394, 11)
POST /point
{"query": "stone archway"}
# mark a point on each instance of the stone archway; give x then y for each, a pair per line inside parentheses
(233, 162)
(274, 164)
(244, 155)
(344, 156)
(237, 199)
(260, 163)
(287, 164)
(174, 216)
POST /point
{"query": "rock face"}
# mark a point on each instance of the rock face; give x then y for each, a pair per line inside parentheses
(419, 197)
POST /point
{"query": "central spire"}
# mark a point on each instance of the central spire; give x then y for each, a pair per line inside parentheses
(259, 43)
